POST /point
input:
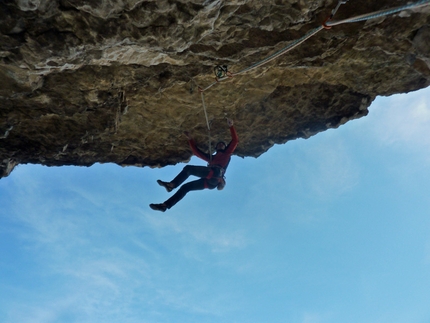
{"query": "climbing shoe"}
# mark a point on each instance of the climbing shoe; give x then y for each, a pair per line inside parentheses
(166, 185)
(158, 207)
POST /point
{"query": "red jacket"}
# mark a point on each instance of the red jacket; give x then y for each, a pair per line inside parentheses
(221, 158)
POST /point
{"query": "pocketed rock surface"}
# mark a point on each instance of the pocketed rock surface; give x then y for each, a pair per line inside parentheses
(110, 81)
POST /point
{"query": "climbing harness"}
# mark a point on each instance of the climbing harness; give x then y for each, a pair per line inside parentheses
(327, 24)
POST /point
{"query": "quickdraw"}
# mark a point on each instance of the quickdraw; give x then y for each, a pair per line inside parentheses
(221, 71)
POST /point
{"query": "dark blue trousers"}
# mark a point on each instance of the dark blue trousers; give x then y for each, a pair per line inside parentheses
(200, 184)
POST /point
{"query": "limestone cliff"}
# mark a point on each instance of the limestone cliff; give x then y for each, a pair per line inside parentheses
(117, 80)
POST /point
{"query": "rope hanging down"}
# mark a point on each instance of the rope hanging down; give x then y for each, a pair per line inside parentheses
(326, 25)
(207, 123)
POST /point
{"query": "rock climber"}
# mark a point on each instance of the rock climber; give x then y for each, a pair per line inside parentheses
(211, 176)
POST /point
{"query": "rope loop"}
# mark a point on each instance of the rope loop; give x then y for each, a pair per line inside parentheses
(324, 24)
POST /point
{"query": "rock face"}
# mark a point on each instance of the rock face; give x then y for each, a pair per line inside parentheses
(117, 80)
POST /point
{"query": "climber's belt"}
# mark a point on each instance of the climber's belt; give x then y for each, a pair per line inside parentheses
(216, 171)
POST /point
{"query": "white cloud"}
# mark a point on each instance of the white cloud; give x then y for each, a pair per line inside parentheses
(185, 300)
(311, 317)
(427, 253)
(31, 314)
(327, 168)
(403, 121)
(219, 239)
(88, 252)
(81, 250)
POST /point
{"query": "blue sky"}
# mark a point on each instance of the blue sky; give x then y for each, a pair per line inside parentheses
(335, 228)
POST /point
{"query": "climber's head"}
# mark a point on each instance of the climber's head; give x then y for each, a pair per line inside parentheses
(220, 146)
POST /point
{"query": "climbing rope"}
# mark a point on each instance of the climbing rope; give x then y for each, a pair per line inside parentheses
(326, 25)
(222, 74)
(208, 125)
(380, 13)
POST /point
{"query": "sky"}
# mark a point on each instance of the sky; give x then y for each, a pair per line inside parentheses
(332, 229)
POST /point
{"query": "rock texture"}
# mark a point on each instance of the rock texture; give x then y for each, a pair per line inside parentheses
(117, 80)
